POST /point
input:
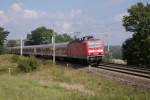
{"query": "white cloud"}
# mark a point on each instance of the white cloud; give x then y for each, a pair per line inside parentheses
(31, 14)
(16, 7)
(3, 18)
(25, 13)
(66, 21)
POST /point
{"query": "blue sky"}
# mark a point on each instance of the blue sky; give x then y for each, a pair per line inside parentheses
(101, 18)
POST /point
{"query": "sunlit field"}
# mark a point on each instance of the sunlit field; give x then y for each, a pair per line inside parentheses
(56, 82)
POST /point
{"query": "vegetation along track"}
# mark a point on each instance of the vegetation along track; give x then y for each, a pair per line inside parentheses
(130, 70)
(130, 76)
(145, 73)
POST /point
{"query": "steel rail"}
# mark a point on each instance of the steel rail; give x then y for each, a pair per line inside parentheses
(125, 71)
(128, 68)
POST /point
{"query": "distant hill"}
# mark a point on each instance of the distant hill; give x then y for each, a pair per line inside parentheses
(116, 51)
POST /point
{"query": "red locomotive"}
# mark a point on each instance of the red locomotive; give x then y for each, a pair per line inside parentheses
(87, 50)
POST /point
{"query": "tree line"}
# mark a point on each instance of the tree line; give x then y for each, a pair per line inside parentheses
(43, 35)
(40, 35)
(3, 35)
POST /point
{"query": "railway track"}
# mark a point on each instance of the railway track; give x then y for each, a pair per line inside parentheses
(140, 72)
(123, 65)
(125, 69)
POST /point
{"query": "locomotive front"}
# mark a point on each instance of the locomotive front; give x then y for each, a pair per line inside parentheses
(95, 51)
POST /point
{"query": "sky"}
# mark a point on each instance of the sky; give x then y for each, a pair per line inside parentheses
(100, 18)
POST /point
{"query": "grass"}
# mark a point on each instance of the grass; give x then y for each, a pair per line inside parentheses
(59, 83)
(6, 62)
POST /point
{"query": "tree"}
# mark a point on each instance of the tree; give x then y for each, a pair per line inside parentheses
(42, 35)
(3, 35)
(63, 38)
(136, 50)
(12, 43)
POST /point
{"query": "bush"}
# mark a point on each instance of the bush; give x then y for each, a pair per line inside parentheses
(15, 58)
(33, 62)
(27, 64)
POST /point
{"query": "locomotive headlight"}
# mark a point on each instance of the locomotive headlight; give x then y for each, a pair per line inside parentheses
(101, 50)
(91, 51)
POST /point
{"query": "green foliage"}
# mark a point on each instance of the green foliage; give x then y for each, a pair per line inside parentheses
(63, 38)
(3, 35)
(15, 58)
(33, 62)
(138, 19)
(23, 65)
(26, 64)
(40, 35)
(43, 35)
(136, 50)
(12, 43)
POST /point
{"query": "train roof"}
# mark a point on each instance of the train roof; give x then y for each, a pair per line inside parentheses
(85, 40)
(43, 45)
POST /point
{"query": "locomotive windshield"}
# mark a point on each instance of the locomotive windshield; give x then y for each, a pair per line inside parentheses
(94, 44)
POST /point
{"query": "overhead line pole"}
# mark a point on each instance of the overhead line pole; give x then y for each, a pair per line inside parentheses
(53, 42)
(21, 46)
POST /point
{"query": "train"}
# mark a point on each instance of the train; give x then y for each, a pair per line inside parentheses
(87, 50)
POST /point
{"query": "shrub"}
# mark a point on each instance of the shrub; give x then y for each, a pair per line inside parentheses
(15, 58)
(27, 64)
(33, 62)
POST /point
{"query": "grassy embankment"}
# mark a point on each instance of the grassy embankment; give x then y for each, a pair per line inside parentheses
(50, 82)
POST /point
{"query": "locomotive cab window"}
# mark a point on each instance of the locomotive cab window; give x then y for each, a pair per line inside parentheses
(94, 45)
